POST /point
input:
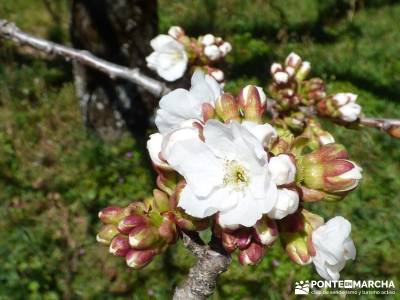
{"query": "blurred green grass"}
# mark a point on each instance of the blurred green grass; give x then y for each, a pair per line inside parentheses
(54, 175)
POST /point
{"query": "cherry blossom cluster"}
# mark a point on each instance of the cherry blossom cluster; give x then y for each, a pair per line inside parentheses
(176, 53)
(294, 92)
(221, 165)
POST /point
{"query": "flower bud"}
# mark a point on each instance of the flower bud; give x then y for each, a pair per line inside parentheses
(161, 201)
(297, 248)
(225, 48)
(119, 245)
(252, 101)
(189, 223)
(275, 67)
(266, 231)
(229, 241)
(111, 214)
(350, 112)
(167, 229)
(281, 77)
(143, 237)
(287, 203)
(293, 60)
(252, 255)
(128, 223)
(296, 121)
(394, 131)
(106, 234)
(138, 259)
(208, 39)
(243, 238)
(282, 169)
(303, 71)
(226, 108)
(212, 52)
(176, 32)
(326, 169)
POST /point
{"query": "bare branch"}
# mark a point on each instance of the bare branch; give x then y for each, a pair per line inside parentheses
(390, 126)
(10, 31)
(212, 260)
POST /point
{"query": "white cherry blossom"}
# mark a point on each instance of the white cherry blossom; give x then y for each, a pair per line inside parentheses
(333, 246)
(181, 105)
(227, 173)
(169, 58)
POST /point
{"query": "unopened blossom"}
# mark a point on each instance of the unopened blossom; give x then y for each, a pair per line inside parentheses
(287, 203)
(212, 52)
(208, 39)
(227, 173)
(181, 105)
(225, 48)
(333, 246)
(347, 106)
(169, 58)
(282, 169)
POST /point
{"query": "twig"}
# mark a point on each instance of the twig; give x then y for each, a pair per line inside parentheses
(390, 126)
(9, 31)
(202, 278)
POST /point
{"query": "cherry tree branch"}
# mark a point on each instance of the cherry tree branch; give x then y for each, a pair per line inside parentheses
(390, 126)
(212, 260)
(11, 32)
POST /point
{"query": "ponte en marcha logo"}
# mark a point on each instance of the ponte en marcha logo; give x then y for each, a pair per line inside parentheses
(358, 287)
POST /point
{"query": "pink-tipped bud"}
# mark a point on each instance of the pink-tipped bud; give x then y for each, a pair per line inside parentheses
(138, 259)
(161, 201)
(243, 238)
(394, 131)
(252, 255)
(128, 223)
(297, 248)
(106, 234)
(311, 221)
(229, 241)
(293, 60)
(189, 223)
(327, 169)
(252, 101)
(135, 208)
(111, 214)
(119, 245)
(266, 231)
(167, 229)
(275, 67)
(225, 48)
(143, 237)
(226, 108)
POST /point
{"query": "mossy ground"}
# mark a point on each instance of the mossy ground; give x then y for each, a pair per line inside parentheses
(55, 175)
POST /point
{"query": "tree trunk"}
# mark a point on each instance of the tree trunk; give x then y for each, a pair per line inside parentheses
(118, 31)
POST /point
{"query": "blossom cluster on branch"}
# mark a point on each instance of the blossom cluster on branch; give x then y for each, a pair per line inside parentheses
(222, 163)
(175, 53)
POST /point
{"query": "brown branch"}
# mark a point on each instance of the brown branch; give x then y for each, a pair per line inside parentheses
(11, 32)
(390, 126)
(212, 260)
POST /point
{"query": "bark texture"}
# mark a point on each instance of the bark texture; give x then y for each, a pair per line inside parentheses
(212, 260)
(118, 31)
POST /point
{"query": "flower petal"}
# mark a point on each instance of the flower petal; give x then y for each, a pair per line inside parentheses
(197, 164)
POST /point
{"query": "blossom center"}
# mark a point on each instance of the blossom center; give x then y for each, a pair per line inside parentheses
(236, 175)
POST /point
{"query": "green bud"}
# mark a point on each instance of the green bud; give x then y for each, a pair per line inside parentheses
(106, 234)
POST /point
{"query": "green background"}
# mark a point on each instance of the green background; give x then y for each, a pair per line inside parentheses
(55, 176)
